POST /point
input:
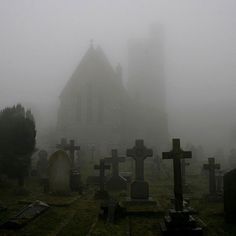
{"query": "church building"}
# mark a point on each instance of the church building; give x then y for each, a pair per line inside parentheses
(101, 114)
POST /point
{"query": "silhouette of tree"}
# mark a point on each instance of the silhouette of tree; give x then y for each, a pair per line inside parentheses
(17, 142)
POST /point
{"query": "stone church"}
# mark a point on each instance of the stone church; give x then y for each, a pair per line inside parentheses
(100, 113)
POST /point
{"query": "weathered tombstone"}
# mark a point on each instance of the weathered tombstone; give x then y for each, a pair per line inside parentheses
(25, 215)
(212, 167)
(59, 173)
(102, 167)
(230, 196)
(179, 221)
(115, 182)
(140, 188)
(42, 164)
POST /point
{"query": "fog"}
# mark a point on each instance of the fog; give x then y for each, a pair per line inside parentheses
(42, 42)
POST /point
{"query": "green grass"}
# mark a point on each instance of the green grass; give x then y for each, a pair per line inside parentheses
(75, 215)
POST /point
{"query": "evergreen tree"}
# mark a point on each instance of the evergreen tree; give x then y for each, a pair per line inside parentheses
(17, 142)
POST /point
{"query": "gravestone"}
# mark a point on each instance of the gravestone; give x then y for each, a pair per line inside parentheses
(179, 221)
(59, 173)
(25, 215)
(230, 196)
(115, 182)
(212, 167)
(42, 165)
(139, 187)
(102, 167)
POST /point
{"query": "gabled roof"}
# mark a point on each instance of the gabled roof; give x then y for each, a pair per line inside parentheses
(93, 66)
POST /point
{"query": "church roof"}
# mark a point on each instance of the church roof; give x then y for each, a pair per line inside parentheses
(94, 67)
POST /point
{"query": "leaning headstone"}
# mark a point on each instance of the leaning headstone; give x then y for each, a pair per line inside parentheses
(59, 173)
(102, 167)
(25, 215)
(179, 221)
(230, 196)
(212, 167)
(116, 182)
(139, 187)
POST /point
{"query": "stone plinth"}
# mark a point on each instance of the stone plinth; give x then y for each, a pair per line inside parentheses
(139, 190)
(180, 223)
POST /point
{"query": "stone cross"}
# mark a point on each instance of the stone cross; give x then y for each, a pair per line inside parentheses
(69, 147)
(183, 169)
(114, 160)
(139, 153)
(177, 154)
(63, 144)
(102, 167)
(212, 166)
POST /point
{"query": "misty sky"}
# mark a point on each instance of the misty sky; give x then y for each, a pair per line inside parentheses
(43, 41)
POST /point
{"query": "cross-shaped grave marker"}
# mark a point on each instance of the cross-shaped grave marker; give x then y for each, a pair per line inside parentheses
(139, 188)
(177, 154)
(212, 167)
(139, 153)
(71, 147)
(102, 167)
(116, 182)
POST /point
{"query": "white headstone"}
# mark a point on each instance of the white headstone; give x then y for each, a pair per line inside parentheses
(59, 172)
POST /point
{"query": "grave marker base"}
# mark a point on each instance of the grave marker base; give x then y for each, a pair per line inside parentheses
(180, 223)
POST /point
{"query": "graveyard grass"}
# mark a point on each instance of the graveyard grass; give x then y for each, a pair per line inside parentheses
(78, 215)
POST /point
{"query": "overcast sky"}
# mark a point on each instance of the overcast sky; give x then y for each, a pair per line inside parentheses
(43, 41)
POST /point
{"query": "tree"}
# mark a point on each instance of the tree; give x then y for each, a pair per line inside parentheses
(17, 142)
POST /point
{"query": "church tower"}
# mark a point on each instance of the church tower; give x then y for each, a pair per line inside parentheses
(146, 86)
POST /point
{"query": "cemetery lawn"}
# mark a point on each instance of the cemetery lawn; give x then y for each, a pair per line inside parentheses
(78, 215)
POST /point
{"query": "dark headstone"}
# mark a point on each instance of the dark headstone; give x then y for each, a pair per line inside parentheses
(230, 196)
(115, 182)
(102, 167)
(212, 167)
